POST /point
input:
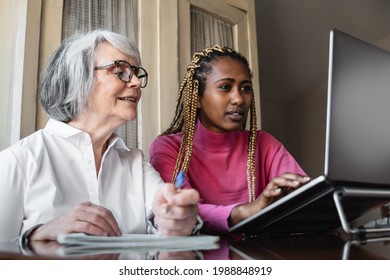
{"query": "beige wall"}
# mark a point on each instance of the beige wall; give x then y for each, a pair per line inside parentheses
(8, 32)
(19, 21)
(50, 39)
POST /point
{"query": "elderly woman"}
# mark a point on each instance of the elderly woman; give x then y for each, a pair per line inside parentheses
(76, 174)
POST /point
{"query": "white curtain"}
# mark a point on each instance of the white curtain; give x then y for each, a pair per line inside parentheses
(115, 15)
(208, 30)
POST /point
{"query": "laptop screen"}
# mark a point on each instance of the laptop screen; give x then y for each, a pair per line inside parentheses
(358, 125)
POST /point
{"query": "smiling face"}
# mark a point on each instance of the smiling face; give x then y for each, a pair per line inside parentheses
(112, 101)
(227, 95)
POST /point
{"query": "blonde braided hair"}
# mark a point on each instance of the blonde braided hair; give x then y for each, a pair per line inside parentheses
(186, 111)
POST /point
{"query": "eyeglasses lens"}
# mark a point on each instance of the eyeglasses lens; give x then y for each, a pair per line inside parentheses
(125, 72)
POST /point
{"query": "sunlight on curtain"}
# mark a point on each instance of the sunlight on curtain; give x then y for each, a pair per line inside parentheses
(115, 15)
(208, 30)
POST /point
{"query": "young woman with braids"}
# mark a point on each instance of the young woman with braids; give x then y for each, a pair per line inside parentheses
(237, 172)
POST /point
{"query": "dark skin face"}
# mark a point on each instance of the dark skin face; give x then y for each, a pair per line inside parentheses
(227, 96)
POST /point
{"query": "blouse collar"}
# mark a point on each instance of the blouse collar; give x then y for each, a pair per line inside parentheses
(74, 134)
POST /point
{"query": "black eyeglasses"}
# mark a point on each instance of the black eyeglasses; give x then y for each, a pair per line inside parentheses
(125, 71)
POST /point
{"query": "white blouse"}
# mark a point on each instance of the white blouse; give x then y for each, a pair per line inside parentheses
(52, 170)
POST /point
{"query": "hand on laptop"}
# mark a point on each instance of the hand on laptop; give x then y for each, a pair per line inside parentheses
(280, 186)
(276, 188)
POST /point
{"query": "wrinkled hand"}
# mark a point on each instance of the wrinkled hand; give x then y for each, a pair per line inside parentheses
(175, 211)
(86, 217)
(276, 188)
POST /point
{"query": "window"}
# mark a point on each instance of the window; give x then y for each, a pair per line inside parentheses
(208, 30)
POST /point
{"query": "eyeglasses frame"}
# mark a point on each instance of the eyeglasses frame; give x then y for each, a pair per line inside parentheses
(134, 70)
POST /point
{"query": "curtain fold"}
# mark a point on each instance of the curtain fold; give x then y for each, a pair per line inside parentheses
(208, 30)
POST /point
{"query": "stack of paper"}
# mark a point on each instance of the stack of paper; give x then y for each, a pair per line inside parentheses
(79, 243)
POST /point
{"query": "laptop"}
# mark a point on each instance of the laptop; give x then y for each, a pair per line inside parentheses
(356, 176)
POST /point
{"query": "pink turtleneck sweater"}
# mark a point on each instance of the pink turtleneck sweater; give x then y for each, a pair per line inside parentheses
(218, 167)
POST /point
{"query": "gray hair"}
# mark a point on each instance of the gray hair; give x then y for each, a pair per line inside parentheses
(68, 79)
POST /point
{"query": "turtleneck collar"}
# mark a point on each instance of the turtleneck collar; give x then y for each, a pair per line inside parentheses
(214, 141)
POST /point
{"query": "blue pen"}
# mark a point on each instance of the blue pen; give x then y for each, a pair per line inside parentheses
(179, 180)
(178, 185)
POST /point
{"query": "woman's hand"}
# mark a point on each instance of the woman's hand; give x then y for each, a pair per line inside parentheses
(175, 211)
(276, 188)
(86, 217)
